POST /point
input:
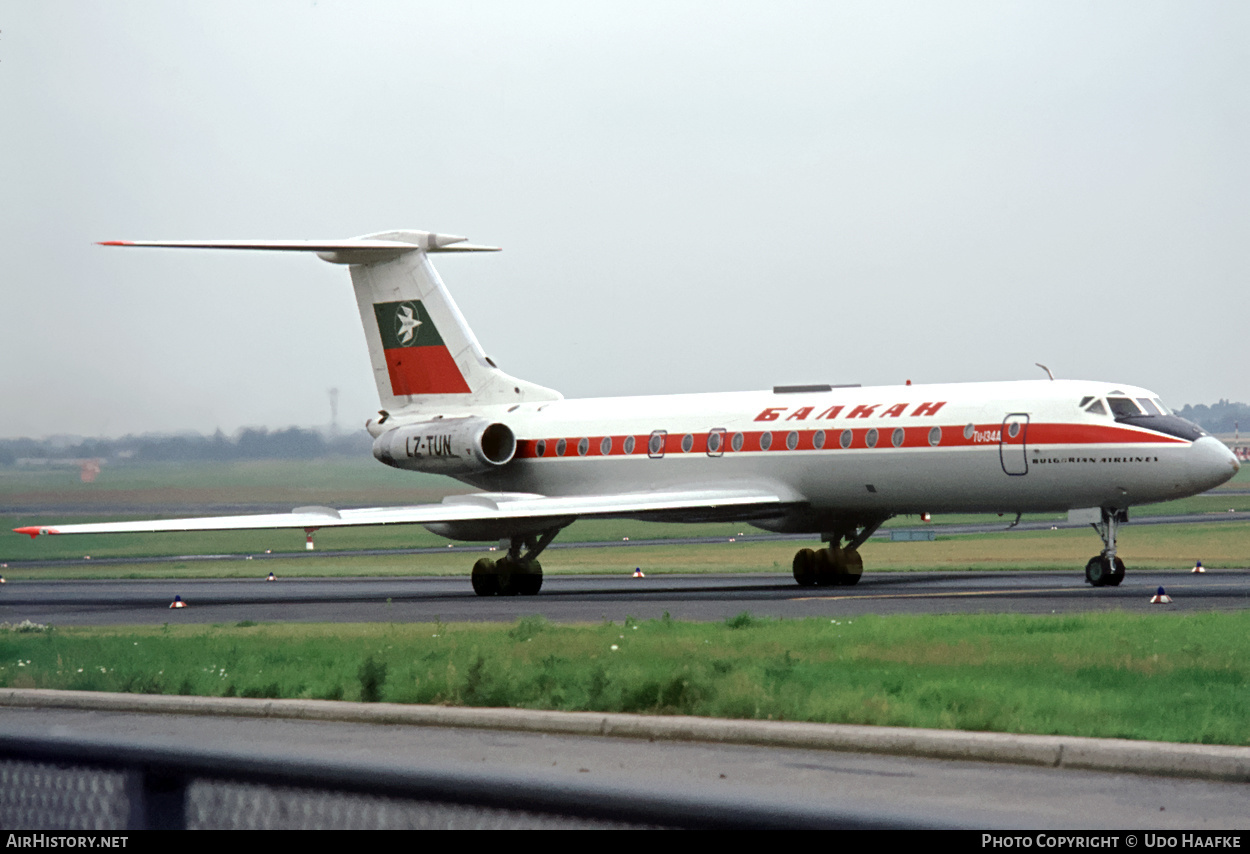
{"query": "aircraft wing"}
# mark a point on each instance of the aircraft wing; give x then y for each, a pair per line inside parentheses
(481, 507)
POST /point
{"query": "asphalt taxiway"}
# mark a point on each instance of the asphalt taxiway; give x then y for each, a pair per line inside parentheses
(574, 598)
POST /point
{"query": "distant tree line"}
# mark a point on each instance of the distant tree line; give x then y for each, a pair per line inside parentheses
(1222, 417)
(293, 443)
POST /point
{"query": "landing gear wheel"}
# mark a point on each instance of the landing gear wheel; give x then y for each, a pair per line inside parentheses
(806, 571)
(1101, 571)
(840, 563)
(828, 566)
(514, 577)
(854, 567)
(1117, 574)
(518, 572)
(506, 567)
(1095, 573)
(528, 577)
(485, 578)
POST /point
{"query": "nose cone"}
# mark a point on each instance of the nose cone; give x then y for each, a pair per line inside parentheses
(1211, 464)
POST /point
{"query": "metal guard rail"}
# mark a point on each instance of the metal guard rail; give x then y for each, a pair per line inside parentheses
(157, 786)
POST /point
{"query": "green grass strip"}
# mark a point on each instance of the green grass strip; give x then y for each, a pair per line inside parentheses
(1179, 678)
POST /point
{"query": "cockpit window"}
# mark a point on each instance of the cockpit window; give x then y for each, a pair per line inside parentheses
(1085, 401)
(1123, 407)
(1096, 408)
(1153, 415)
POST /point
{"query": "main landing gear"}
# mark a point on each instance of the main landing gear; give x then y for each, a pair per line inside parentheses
(514, 573)
(837, 564)
(827, 567)
(1107, 570)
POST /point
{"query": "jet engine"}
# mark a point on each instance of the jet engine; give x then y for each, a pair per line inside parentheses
(450, 446)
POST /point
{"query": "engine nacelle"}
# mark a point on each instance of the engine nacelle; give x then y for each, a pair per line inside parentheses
(448, 446)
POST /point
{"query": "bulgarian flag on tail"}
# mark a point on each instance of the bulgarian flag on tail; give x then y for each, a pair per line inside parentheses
(416, 358)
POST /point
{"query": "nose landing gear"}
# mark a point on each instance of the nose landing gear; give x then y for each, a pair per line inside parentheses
(1103, 571)
(1107, 570)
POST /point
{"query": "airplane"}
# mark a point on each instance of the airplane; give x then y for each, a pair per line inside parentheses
(833, 461)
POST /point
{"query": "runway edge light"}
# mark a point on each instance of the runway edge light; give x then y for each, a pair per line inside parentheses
(177, 603)
(638, 572)
(1198, 567)
(1161, 598)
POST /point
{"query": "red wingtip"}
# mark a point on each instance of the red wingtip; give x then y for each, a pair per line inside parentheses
(34, 531)
(113, 243)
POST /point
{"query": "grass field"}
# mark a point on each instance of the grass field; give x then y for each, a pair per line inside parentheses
(1162, 677)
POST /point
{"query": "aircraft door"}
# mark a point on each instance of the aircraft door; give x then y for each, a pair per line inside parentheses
(1012, 448)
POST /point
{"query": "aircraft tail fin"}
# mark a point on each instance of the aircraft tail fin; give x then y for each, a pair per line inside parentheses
(422, 351)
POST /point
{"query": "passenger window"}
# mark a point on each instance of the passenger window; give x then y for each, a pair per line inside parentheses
(655, 447)
(1096, 408)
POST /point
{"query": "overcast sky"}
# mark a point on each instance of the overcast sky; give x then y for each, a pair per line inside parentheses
(691, 196)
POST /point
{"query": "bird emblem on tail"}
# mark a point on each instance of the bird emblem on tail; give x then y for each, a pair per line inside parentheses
(406, 324)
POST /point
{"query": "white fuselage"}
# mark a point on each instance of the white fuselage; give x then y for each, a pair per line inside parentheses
(968, 447)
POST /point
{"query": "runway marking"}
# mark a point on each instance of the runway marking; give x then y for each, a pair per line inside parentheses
(936, 595)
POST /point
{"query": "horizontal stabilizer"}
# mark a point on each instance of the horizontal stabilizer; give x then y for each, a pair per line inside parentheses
(369, 249)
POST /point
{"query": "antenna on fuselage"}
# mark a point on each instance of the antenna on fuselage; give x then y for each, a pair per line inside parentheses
(1046, 369)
